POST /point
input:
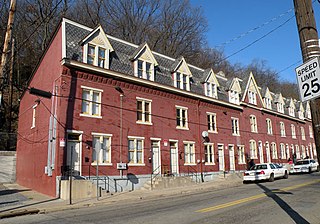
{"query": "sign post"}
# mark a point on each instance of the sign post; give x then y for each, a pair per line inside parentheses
(308, 77)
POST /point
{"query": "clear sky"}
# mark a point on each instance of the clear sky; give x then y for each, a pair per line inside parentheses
(235, 24)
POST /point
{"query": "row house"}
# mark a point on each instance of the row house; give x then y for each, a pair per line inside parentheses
(123, 111)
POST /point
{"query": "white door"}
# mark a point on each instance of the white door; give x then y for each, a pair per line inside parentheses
(261, 152)
(221, 158)
(174, 162)
(231, 156)
(74, 157)
(156, 164)
(268, 152)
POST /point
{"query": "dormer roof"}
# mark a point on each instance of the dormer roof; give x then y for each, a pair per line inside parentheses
(99, 37)
(144, 51)
(210, 76)
(181, 65)
(251, 85)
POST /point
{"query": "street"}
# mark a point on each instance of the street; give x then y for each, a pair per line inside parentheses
(295, 200)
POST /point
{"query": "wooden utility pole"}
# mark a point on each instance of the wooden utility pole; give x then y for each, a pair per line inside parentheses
(6, 41)
(309, 44)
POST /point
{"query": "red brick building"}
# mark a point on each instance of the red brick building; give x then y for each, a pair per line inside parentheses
(120, 105)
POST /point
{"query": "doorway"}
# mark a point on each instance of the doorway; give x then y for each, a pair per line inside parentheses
(221, 157)
(174, 159)
(231, 158)
(74, 153)
(156, 158)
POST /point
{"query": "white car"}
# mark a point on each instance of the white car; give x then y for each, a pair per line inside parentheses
(265, 171)
(305, 166)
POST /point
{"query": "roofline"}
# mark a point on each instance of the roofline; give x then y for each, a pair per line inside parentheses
(75, 64)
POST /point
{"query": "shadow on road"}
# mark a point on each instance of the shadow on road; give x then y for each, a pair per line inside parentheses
(292, 213)
(28, 205)
(11, 191)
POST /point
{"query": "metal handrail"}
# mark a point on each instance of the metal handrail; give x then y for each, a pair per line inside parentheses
(154, 176)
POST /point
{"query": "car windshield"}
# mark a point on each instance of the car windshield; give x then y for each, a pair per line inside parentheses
(303, 162)
(259, 167)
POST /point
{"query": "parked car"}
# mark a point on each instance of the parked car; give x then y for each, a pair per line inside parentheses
(265, 171)
(305, 166)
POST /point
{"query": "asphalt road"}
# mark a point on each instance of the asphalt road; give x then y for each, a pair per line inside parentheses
(295, 200)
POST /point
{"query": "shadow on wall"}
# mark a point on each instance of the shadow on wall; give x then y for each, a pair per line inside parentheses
(133, 179)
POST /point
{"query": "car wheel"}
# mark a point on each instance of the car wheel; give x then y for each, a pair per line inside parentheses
(245, 182)
(285, 175)
(310, 170)
(271, 178)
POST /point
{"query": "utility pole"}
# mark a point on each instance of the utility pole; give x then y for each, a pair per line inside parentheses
(7, 40)
(309, 44)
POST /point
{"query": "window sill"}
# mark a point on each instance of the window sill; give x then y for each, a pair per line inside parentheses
(213, 132)
(92, 116)
(101, 164)
(235, 134)
(190, 164)
(136, 164)
(209, 164)
(145, 123)
(182, 128)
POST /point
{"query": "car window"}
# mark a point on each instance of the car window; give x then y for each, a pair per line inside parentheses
(277, 166)
(272, 166)
(259, 167)
(302, 162)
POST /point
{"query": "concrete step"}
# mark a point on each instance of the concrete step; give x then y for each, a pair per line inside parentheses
(168, 182)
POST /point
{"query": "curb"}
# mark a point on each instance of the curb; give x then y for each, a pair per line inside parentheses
(19, 212)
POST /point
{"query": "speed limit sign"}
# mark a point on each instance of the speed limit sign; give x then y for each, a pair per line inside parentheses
(308, 77)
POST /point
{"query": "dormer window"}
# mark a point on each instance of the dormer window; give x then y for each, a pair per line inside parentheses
(268, 104)
(308, 113)
(280, 107)
(234, 97)
(291, 111)
(252, 97)
(144, 70)
(182, 81)
(211, 90)
(96, 55)
(96, 48)
(300, 114)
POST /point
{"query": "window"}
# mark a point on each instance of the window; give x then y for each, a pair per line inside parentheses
(274, 150)
(33, 124)
(303, 135)
(96, 55)
(253, 123)
(252, 97)
(101, 152)
(308, 113)
(209, 153)
(282, 130)
(253, 149)
(211, 90)
(280, 107)
(282, 151)
(91, 101)
(291, 111)
(235, 126)
(182, 117)
(182, 81)
(269, 126)
(144, 70)
(143, 111)
(300, 114)
(298, 152)
(310, 131)
(189, 153)
(135, 147)
(241, 155)
(211, 117)
(293, 131)
(268, 104)
(234, 97)
(303, 152)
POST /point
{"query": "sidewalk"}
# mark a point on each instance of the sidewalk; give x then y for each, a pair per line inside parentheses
(35, 202)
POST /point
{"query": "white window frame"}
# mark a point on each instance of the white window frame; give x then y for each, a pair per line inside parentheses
(291, 111)
(134, 161)
(96, 55)
(282, 151)
(252, 97)
(209, 153)
(33, 122)
(269, 126)
(212, 122)
(303, 134)
(310, 131)
(189, 153)
(241, 155)
(107, 149)
(179, 82)
(181, 118)
(274, 150)
(90, 102)
(253, 149)
(211, 89)
(280, 107)
(234, 97)
(298, 155)
(300, 114)
(235, 126)
(146, 74)
(145, 117)
(308, 113)
(293, 131)
(253, 123)
(282, 129)
(268, 103)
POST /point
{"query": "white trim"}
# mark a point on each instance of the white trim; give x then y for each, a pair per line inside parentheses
(173, 140)
(101, 134)
(89, 115)
(76, 24)
(63, 36)
(87, 87)
(144, 99)
(74, 131)
(136, 137)
(155, 139)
